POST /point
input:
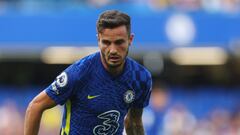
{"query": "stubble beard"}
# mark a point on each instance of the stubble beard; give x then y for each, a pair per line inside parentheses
(113, 66)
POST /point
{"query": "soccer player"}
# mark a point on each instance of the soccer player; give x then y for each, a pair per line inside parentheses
(101, 92)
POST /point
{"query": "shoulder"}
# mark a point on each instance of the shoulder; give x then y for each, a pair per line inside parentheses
(140, 70)
(140, 76)
(86, 61)
(82, 67)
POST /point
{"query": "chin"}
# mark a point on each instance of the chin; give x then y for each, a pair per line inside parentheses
(114, 65)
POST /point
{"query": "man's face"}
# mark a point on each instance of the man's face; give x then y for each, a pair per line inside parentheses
(114, 44)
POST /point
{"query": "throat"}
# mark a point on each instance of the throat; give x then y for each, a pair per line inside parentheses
(115, 71)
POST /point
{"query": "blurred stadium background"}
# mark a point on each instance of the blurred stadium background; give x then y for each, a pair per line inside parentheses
(192, 48)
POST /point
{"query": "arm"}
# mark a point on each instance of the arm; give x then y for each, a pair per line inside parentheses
(133, 122)
(34, 112)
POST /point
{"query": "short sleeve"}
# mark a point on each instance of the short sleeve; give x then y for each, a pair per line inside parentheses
(63, 86)
(143, 100)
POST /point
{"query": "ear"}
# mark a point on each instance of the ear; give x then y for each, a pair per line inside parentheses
(98, 38)
(131, 39)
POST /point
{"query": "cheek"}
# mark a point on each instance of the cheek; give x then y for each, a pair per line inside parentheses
(124, 49)
(104, 50)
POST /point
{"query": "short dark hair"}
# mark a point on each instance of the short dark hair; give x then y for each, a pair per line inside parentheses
(112, 19)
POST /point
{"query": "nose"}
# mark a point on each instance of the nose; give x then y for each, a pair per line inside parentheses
(113, 49)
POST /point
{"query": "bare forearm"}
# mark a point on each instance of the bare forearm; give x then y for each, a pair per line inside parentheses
(34, 112)
(134, 129)
(32, 121)
(133, 122)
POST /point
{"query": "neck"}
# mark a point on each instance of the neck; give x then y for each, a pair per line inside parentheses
(115, 71)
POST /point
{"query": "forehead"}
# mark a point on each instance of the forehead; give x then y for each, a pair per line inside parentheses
(115, 33)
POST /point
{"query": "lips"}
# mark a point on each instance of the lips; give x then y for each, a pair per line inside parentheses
(114, 58)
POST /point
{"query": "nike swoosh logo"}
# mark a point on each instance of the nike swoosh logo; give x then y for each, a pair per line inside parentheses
(92, 97)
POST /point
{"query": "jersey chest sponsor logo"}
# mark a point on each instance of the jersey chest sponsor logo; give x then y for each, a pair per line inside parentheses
(129, 96)
(110, 123)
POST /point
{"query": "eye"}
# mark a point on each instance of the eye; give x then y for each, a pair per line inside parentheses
(119, 42)
(106, 42)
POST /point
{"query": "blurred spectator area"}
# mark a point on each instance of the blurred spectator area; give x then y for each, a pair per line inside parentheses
(186, 5)
(192, 111)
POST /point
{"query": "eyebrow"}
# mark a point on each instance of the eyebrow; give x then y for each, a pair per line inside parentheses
(116, 41)
(105, 41)
(119, 40)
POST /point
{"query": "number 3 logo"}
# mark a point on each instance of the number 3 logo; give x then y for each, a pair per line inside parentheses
(110, 124)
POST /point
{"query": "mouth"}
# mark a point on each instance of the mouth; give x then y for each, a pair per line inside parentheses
(114, 58)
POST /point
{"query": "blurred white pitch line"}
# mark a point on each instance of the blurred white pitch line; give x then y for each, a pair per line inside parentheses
(199, 56)
(65, 55)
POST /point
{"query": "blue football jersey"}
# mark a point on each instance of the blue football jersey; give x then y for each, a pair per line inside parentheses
(95, 101)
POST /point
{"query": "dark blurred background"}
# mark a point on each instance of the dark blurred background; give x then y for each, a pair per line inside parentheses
(191, 47)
